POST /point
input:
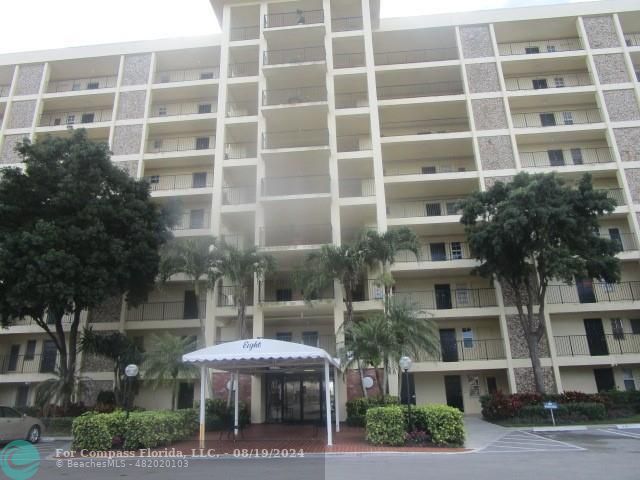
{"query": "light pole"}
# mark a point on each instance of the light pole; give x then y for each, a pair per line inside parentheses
(130, 372)
(405, 364)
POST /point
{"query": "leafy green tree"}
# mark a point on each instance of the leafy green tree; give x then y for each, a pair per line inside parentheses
(163, 362)
(532, 231)
(75, 231)
(118, 348)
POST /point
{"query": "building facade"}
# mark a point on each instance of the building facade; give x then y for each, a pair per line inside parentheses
(305, 122)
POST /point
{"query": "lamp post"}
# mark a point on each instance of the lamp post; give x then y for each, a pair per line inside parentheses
(405, 364)
(130, 372)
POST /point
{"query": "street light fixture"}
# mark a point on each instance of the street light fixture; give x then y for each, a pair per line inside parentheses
(130, 372)
(405, 364)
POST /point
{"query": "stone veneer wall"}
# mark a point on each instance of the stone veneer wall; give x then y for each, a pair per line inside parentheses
(126, 139)
(109, 311)
(136, 69)
(131, 105)
(29, 78)
(219, 386)
(633, 178)
(519, 348)
(601, 32)
(491, 181)
(354, 387)
(129, 166)
(9, 155)
(526, 384)
(496, 152)
(611, 68)
(622, 105)
(489, 114)
(476, 41)
(89, 390)
(483, 77)
(22, 114)
(628, 141)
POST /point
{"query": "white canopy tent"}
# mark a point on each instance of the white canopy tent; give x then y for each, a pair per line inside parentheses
(260, 355)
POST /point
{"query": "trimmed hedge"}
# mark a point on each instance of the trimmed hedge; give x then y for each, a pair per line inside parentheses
(566, 413)
(386, 425)
(357, 408)
(104, 431)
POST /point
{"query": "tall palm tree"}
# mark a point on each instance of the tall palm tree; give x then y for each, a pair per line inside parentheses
(163, 363)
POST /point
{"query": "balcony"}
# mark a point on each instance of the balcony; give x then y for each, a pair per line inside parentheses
(237, 109)
(155, 311)
(416, 56)
(446, 298)
(632, 39)
(592, 292)
(196, 107)
(424, 127)
(291, 19)
(436, 252)
(36, 363)
(352, 99)
(543, 81)
(242, 195)
(428, 166)
(608, 344)
(54, 119)
(294, 235)
(180, 144)
(617, 195)
(292, 96)
(349, 60)
(295, 139)
(626, 241)
(360, 142)
(556, 118)
(241, 150)
(179, 182)
(357, 187)
(469, 350)
(325, 342)
(195, 219)
(239, 34)
(346, 24)
(296, 185)
(540, 46)
(243, 69)
(294, 55)
(568, 156)
(423, 208)
(190, 75)
(81, 84)
(227, 296)
(4, 90)
(432, 89)
(282, 288)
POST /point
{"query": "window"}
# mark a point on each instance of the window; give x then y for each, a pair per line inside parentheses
(567, 117)
(492, 385)
(428, 170)
(628, 379)
(452, 208)
(284, 336)
(204, 108)
(154, 179)
(531, 50)
(635, 326)
(433, 209)
(206, 75)
(157, 144)
(551, 48)
(474, 385)
(617, 329)
(310, 338)
(75, 87)
(547, 119)
(30, 353)
(438, 251)
(559, 82)
(162, 111)
(9, 413)
(576, 156)
(71, 119)
(88, 117)
(463, 295)
(13, 358)
(199, 180)
(196, 219)
(467, 338)
(456, 250)
(556, 158)
(540, 83)
(57, 121)
(22, 395)
(93, 85)
(202, 143)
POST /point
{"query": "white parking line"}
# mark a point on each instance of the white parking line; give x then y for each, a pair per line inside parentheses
(521, 441)
(622, 434)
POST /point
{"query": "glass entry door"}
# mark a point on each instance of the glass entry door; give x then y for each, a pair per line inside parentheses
(294, 398)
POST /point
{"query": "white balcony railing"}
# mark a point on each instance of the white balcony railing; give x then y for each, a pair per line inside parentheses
(555, 118)
(180, 144)
(544, 81)
(423, 208)
(196, 107)
(190, 75)
(94, 83)
(52, 119)
(540, 46)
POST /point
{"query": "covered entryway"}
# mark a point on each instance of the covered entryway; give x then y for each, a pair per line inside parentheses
(266, 357)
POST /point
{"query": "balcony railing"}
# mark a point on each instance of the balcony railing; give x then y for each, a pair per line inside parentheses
(469, 350)
(567, 156)
(4, 90)
(290, 235)
(179, 182)
(289, 19)
(357, 187)
(290, 96)
(359, 142)
(433, 89)
(198, 107)
(345, 24)
(593, 293)
(302, 185)
(436, 252)
(36, 363)
(626, 241)
(540, 46)
(227, 296)
(242, 108)
(294, 55)
(283, 289)
(295, 139)
(250, 32)
(52, 119)
(416, 56)
(632, 39)
(195, 219)
(180, 144)
(243, 69)
(189, 75)
(352, 100)
(542, 81)
(80, 84)
(429, 166)
(165, 311)
(425, 127)
(616, 194)
(348, 60)
(424, 208)
(607, 344)
(237, 151)
(444, 300)
(239, 195)
(553, 119)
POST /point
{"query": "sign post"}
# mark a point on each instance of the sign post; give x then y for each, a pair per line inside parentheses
(551, 406)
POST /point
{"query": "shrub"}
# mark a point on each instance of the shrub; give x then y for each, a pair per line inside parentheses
(58, 425)
(90, 432)
(566, 413)
(385, 425)
(107, 397)
(445, 424)
(218, 416)
(357, 408)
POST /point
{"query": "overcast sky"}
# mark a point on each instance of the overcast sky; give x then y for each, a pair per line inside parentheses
(43, 24)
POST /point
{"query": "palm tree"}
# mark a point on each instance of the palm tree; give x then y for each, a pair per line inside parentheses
(163, 364)
(54, 390)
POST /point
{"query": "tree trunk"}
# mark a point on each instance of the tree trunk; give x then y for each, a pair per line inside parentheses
(385, 376)
(201, 321)
(361, 372)
(538, 374)
(174, 393)
(378, 380)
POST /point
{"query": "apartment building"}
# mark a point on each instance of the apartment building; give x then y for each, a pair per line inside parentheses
(305, 122)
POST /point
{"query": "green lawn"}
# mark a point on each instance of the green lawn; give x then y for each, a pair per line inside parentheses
(606, 421)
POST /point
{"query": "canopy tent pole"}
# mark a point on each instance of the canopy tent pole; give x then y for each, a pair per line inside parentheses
(203, 387)
(327, 402)
(235, 404)
(336, 396)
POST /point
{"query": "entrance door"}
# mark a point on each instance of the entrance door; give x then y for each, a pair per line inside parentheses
(438, 252)
(49, 355)
(595, 337)
(185, 395)
(614, 235)
(604, 379)
(312, 399)
(585, 290)
(443, 296)
(448, 345)
(190, 305)
(294, 398)
(13, 358)
(453, 391)
(547, 119)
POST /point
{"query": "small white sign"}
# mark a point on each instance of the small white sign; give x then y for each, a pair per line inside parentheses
(131, 370)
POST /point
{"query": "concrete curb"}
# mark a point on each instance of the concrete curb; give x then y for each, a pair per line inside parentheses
(567, 428)
(54, 439)
(626, 426)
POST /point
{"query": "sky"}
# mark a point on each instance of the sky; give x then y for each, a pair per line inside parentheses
(44, 24)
